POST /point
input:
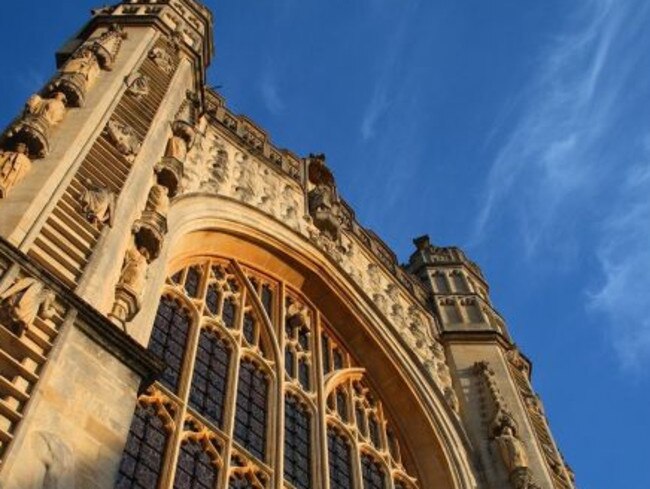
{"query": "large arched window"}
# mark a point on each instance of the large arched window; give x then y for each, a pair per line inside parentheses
(258, 392)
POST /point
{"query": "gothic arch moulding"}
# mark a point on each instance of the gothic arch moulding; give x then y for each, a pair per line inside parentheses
(434, 444)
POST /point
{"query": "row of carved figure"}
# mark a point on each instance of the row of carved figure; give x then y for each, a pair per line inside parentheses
(29, 136)
(149, 230)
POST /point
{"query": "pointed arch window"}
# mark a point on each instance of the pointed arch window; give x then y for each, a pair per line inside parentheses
(372, 473)
(210, 380)
(195, 468)
(142, 458)
(297, 443)
(168, 339)
(226, 360)
(340, 460)
(251, 408)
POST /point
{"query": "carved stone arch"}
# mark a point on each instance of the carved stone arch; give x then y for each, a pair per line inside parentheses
(376, 455)
(223, 333)
(267, 326)
(434, 441)
(304, 398)
(186, 304)
(338, 377)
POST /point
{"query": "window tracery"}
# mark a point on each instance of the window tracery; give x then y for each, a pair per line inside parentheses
(245, 354)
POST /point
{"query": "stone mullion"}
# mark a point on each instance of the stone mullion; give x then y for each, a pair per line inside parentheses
(183, 391)
(279, 455)
(233, 381)
(321, 453)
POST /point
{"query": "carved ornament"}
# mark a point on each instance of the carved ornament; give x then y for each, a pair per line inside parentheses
(98, 204)
(23, 301)
(14, 165)
(124, 139)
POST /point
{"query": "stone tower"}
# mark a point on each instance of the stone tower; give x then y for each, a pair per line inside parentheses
(183, 304)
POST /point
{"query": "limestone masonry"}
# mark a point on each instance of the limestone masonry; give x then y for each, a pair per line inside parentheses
(183, 304)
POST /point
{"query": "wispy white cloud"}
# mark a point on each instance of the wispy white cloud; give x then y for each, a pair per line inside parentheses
(270, 93)
(384, 91)
(624, 254)
(564, 179)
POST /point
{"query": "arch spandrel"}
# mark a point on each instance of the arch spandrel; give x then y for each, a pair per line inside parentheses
(202, 225)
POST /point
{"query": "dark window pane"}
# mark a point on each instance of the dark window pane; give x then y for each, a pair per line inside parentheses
(297, 444)
(372, 474)
(338, 359)
(195, 468)
(249, 328)
(289, 362)
(209, 383)
(240, 483)
(361, 420)
(143, 454)
(342, 405)
(193, 281)
(340, 461)
(212, 298)
(303, 338)
(303, 374)
(168, 339)
(250, 416)
(373, 427)
(229, 312)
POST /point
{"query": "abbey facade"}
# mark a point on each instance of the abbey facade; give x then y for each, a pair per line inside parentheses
(185, 305)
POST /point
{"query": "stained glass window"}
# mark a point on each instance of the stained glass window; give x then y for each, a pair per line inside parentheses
(297, 444)
(267, 300)
(193, 281)
(240, 483)
(249, 328)
(168, 339)
(210, 379)
(250, 416)
(373, 427)
(342, 404)
(212, 298)
(303, 374)
(229, 311)
(143, 455)
(373, 475)
(340, 461)
(195, 469)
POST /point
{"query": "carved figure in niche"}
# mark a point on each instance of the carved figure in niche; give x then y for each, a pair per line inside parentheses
(269, 196)
(158, 200)
(14, 165)
(98, 203)
(324, 210)
(77, 75)
(134, 269)
(50, 111)
(108, 45)
(21, 302)
(162, 59)
(123, 138)
(176, 148)
(137, 85)
(511, 448)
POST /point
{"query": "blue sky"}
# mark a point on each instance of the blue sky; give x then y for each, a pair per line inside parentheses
(519, 130)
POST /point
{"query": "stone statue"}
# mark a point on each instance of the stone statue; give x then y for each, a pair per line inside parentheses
(510, 447)
(124, 138)
(14, 165)
(134, 269)
(176, 148)
(298, 315)
(158, 200)
(162, 59)
(77, 75)
(137, 85)
(108, 45)
(98, 203)
(21, 302)
(50, 111)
